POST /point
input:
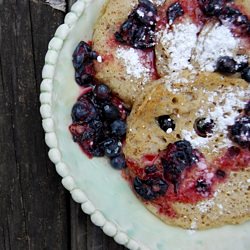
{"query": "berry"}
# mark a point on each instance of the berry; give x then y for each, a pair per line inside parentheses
(220, 173)
(111, 112)
(246, 74)
(233, 151)
(150, 189)
(83, 79)
(166, 123)
(240, 66)
(179, 156)
(174, 11)
(203, 127)
(83, 54)
(150, 169)
(247, 109)
(138, 30)
(83, 57)
(212, 7)
(112, 147)
(102, 92)
(230, 13)
(226, 64)
(240, 132)
(83, 111)
(201, 186)
(118, 162)
(118, 128)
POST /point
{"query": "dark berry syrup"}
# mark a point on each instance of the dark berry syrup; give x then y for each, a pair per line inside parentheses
(99, 117)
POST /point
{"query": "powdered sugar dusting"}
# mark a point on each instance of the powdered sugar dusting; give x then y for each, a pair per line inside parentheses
(189, 48)
(223, 109)
(132, 62)
(178, 44)
(215, 40)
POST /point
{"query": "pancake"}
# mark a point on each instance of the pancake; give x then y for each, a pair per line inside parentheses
(133, 67)
(211, 96)
(194, 42)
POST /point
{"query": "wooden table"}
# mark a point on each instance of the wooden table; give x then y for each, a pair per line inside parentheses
(36, 212)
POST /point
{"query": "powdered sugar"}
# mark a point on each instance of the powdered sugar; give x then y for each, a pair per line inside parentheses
(189, 48)
(215, 40)
(178, 44)
(223, 109)
(132, 62)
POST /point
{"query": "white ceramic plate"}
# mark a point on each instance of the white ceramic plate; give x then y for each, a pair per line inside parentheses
(101, 190)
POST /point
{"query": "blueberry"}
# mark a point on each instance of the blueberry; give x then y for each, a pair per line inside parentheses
(102, 92)
(226, 64)
(150, 189)
(118, 162)
(83, 79)
(240, 66)
(83, 111)
(247, 109)
(166, 123)
(174, 11)
(246, 74)
(203, 127)
(111, 112)
(118, 128)
(240, 132)
(112, 147)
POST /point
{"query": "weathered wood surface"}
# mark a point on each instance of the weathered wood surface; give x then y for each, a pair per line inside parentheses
(35, 210)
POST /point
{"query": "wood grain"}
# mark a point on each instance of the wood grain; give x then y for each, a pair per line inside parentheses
(35, 210)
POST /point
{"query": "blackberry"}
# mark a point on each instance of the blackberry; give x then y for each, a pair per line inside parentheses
(240, 131)
(180, 156)
(150, 169)
(150, 189)
(138, 30)
(212, 7)
(201, 186)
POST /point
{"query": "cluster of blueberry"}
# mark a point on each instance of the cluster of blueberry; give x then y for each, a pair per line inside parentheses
(99, 118)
